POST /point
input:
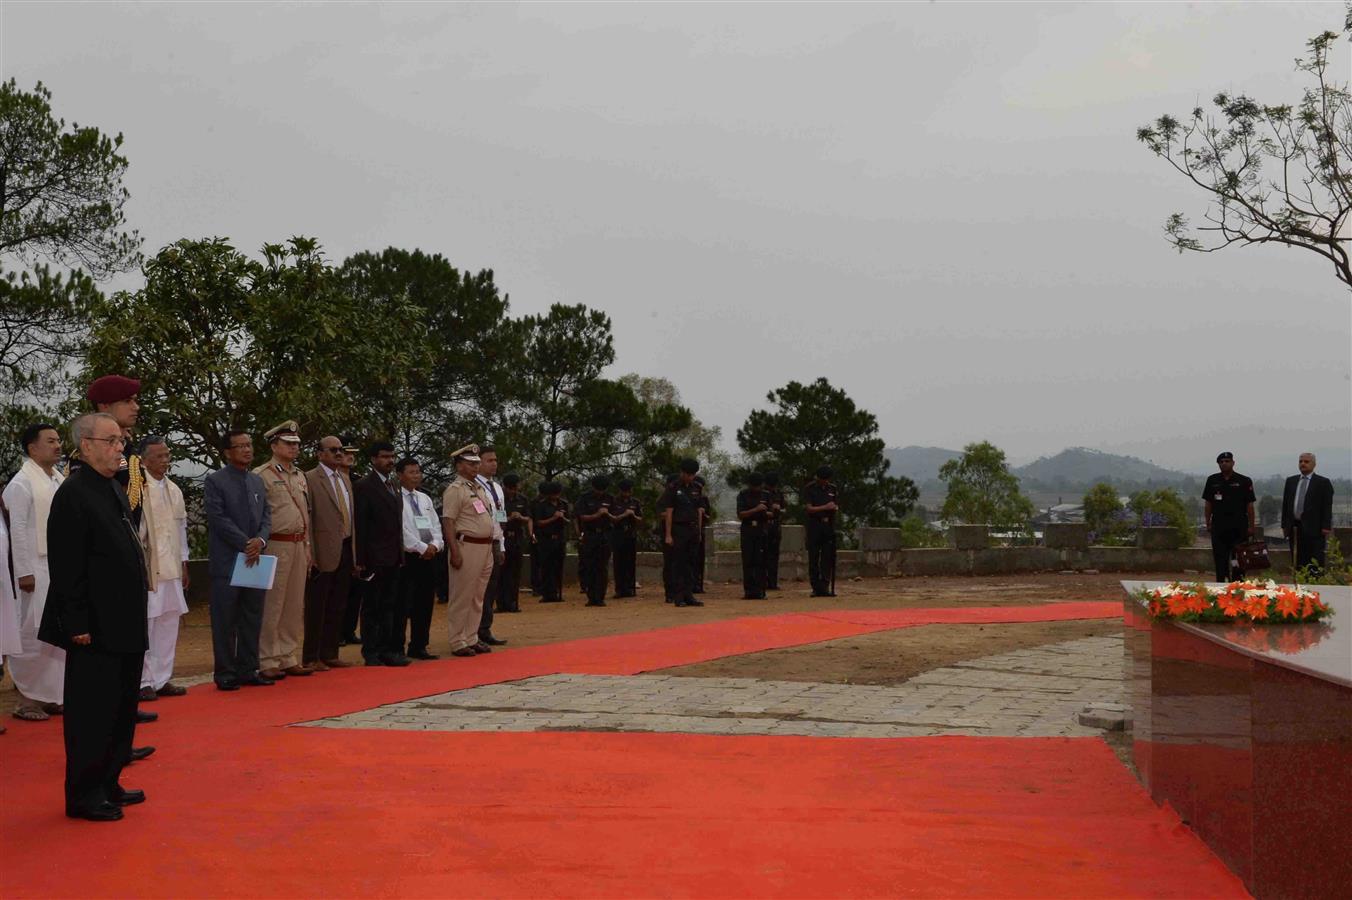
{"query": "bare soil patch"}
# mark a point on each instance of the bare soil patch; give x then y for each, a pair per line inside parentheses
(892, 657)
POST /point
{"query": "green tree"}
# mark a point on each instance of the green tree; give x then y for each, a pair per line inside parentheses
(817, 424)
(915, 533)
(1103, 511)
(1164, 508)
(1275, 174)
(222, 341)
(563, 419)
(61, 193)
(981, 489)
(454, 354)
(1269, 509)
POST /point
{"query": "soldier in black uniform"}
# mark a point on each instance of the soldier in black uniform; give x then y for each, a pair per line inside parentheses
(706, 514)
(1229, 514)
(518, 532)
(593, 517)
(660, 531)
(551, 523)
(681, 520)
(821, 500)
(774, 530)
(535, 550)
(628, 517)
(753, 508)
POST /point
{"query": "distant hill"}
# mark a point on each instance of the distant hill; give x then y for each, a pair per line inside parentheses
(920, 464)
(1081, 467)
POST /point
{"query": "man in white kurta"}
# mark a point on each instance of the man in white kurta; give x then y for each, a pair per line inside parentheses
(9, 604)
(38, 669)
(164, 534)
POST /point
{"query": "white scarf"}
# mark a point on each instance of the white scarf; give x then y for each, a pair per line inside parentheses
(41, 486)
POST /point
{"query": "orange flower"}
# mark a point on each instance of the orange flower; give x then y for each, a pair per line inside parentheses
(1230, 603)
(1197, 603)
(1256, 608)
(1177, 604)
(1288, 604)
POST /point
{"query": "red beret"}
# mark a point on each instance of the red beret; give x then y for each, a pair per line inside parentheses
(112, 388)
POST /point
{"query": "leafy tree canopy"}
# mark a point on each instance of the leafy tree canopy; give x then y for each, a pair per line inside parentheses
(816, 424)
(981, 489)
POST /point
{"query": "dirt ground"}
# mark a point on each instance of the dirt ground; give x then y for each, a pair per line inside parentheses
(891, 657)
(880, 661)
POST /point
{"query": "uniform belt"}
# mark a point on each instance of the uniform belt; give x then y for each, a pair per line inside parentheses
(471, 539)
(289, 538)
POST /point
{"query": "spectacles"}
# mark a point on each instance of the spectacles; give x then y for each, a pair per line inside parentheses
(110, 441)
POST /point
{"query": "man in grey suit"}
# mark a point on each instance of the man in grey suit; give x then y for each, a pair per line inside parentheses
(1307, 513)
(238, 521)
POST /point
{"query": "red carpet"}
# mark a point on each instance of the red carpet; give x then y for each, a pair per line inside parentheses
(240, 807)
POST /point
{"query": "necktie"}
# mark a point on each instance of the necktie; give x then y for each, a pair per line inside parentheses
(1300, 495)
(342, 504)
(413, 503)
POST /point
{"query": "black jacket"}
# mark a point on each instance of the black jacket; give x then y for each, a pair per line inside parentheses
(1317, 515)
(379, 524)
(98, 569)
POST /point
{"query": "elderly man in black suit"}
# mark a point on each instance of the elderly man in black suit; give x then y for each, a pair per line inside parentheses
(238, 521)
(1307, 513)
(96, 612)
(379, 552)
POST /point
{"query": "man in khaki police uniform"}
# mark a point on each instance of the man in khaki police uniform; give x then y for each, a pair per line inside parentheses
(467, 522)
(281, 641)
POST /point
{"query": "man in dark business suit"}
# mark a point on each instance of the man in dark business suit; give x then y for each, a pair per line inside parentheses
(96, 612)
(1307, 513)
(379, 552)
(238, 521)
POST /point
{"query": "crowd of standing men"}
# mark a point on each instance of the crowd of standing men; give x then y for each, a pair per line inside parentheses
(89, 615)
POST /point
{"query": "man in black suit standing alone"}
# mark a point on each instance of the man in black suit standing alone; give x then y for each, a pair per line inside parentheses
(379, 553)
(1307, 513)
(238, 521)
(96, 612)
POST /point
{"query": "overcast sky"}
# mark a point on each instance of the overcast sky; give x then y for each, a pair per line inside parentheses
(941, 208)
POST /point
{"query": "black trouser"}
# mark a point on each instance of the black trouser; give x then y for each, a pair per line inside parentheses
(593, 554)
(490, 592)
(536, 581)
(550, 551)
(624, 546)
(381, 615)
(1310, 548)
(417, 596)
(699, 561)
(666, 564)
(1224, 538)
(753, 560)
(685, 547)
(441, 576)
(508, 597)
(821, 558)
(99, 722)
(356, 590)
(773, 536)
(325, 608)
(236, 622)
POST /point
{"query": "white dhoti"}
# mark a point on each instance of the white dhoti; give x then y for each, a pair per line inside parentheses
(164, 607)
(38, 670)
(9, 604)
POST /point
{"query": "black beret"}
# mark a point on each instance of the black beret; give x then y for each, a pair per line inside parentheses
(511, 479)
(824, 472)
(600, 482)
(772, 478)
(553, 487)
(1225, 455)
(755, 479)
(625, 484)
(689, 466)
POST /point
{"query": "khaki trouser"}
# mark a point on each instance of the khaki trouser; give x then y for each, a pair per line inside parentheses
(467, 585)
(279, 643)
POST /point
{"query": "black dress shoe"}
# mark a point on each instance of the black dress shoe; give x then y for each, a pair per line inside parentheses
(172, 690)
(423, 654)
(396, 659)
(481, 647)
(693, 602)
(492, 641)
(142, 716)
(464, 651)
(230, 685)
(596, 603)
(146, 695)
(129, 798)
(257, 681)
(103, 812)
(140, 753)
(514, 609)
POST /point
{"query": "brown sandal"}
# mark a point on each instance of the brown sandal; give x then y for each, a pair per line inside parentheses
(31, 714)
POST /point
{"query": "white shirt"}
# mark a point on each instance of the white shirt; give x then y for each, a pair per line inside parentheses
(23, 525)
(494, 491)
(413, 542)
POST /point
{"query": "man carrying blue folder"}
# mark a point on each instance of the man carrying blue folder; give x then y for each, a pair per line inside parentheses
(238, 522)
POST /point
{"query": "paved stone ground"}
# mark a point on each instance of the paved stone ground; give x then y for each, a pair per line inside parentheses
(1032, 692)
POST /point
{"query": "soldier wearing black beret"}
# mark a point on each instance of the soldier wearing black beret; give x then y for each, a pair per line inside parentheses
(627, 514)
(593, 547)
(1229, 514)
(821, 499)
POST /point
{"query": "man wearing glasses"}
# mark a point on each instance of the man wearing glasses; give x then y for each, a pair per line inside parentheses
(326, 596)
(96, 612)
